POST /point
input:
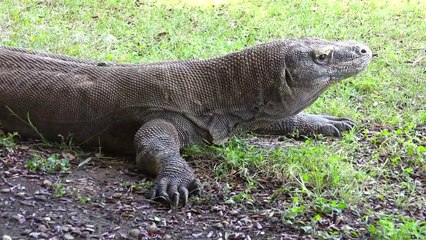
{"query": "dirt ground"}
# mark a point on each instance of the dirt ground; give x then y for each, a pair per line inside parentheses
(118, 207)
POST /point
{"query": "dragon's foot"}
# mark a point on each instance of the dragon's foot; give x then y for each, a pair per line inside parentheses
(329, 125)
(175, 185)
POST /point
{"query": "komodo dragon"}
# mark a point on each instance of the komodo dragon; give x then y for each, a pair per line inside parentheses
(157, 109)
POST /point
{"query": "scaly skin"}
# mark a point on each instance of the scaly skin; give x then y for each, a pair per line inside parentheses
(163, 107)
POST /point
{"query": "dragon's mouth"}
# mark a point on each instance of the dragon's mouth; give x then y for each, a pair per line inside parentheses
(321, 81)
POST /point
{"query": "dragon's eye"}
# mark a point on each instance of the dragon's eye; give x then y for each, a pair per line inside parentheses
(322, 57)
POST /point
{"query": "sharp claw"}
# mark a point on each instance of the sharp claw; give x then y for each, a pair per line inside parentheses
(336, 131)
(152, 194)
(333, 118)
(184, 193)
(171, 192)
(325, 125)
(348, 126)
(160, 196)
(175, 200)
(167, 190)
(339, 120)
(328, 117)
(343, 126)
(195, 187)
(345, 123)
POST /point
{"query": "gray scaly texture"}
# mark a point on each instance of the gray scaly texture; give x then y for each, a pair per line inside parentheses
(157, 109)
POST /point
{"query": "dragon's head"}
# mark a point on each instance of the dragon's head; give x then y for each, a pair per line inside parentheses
(308, 66)
(318, 63)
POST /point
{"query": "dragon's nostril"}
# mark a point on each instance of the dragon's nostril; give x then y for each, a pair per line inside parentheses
(363, 51)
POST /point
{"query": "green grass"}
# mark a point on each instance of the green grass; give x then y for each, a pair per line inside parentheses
(383, 158)
(313, 169)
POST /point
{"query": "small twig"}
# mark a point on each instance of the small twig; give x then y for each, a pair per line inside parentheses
(28, 122)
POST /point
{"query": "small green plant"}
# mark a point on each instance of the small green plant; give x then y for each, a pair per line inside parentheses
(83, 199)
(194, 150)
(141, 186)
(295, 210)
(59, 190)
(8, 140)
(244, 196)
(241, 197)
(49, 165)
(325, 206)
(398, 228)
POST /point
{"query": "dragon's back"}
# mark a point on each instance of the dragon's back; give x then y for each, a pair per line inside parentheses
(55, 94)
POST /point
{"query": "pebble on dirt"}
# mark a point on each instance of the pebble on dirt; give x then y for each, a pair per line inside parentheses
(134, 233)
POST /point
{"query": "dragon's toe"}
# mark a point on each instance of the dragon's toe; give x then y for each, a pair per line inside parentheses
(176, 189)
(332, 126)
